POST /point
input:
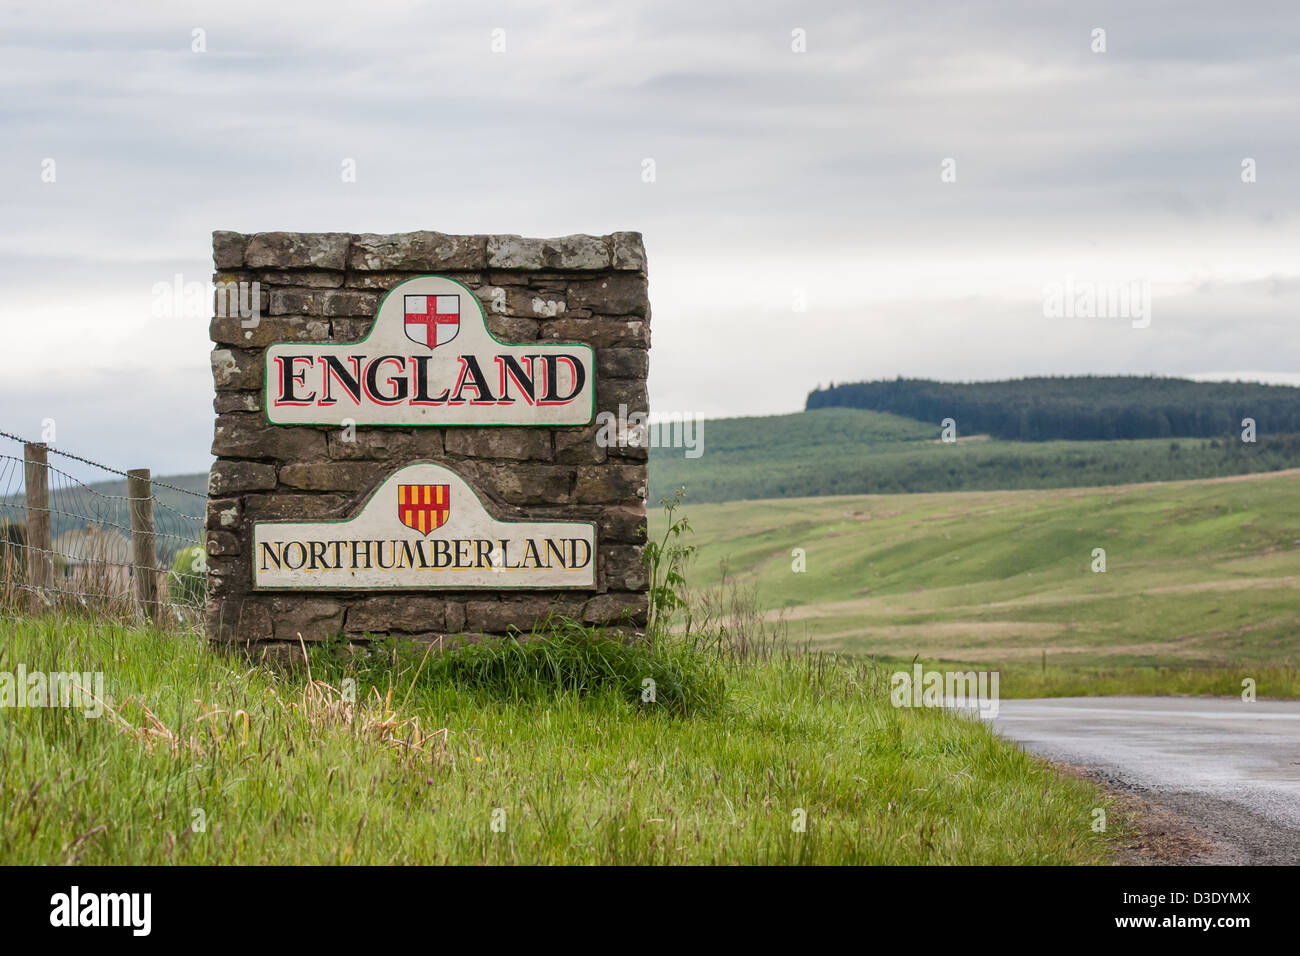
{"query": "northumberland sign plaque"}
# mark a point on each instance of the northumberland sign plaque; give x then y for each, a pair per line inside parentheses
(429, 360)
(423, 528)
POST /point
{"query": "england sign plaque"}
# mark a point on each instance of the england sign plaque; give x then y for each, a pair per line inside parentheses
(423, 528)
(430, 360)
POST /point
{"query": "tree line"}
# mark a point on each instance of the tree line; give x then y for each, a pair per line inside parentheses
(1078, 408)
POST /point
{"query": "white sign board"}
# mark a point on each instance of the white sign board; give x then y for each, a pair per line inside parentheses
(423, 528)
(429, 360)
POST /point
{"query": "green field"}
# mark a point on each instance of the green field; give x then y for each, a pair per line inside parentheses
(1199, 589)
(541, 753)
(845, 451)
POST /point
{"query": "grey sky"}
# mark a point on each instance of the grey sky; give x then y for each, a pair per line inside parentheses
(778, 174)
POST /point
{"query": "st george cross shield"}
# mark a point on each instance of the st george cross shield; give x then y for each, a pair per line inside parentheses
(432, 320)
(423, 508)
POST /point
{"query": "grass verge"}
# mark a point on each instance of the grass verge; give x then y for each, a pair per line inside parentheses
(1026, 681)
(517, 753)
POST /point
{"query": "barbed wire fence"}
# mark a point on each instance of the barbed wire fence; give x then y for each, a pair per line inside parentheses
(123, 548)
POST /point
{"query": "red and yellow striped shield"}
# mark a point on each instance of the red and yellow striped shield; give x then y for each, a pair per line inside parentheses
(423, 507)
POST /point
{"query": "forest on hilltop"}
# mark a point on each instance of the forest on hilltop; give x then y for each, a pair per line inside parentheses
(1078, 408)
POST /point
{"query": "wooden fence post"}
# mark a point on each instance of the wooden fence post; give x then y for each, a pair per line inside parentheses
(40, 545)
(144, 561)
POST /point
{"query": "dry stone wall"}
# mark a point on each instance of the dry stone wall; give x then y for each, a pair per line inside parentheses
(327, 288)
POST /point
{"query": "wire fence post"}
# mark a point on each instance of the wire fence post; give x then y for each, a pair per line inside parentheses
(40, 544)
(101, 548)
(139, 489)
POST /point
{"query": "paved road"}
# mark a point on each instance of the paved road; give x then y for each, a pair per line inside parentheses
(1231, 765)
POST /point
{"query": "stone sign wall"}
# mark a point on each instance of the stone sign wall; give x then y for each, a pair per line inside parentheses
(409, 441)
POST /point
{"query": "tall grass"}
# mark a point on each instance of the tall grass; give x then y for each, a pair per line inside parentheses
(726, 620)
(508, 755)
(560, 657)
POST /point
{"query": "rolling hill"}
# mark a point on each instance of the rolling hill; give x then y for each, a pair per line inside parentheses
(1197, 574)
(839, 451)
